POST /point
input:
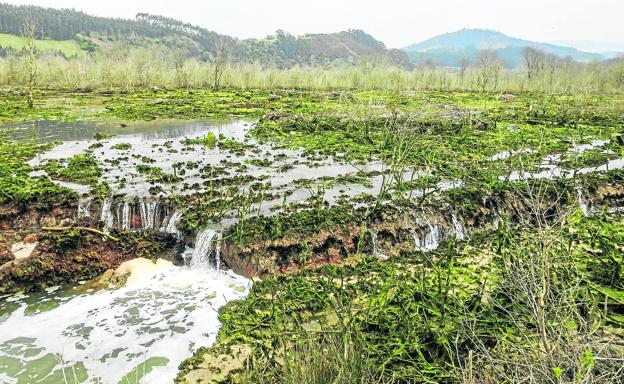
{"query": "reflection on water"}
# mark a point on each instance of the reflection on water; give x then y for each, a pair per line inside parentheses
(48, 131)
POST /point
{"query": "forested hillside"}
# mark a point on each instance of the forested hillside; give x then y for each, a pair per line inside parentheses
(282, 49)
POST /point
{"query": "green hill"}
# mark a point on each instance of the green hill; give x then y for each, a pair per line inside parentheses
(68, 48)
(282, 49)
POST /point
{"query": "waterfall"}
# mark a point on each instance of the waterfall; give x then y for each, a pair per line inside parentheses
(432, 239)
(125, 216)
(154, 214)
(170, 224)
(218, 252)
(583, 203)
(376, 251)
(460, 231)
(416, 239)
(107, 217)
(203, 250)
(84, 208)
(148, 213)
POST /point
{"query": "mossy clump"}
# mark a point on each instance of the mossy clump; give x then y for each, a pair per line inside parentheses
(16, 184)
(81, 169)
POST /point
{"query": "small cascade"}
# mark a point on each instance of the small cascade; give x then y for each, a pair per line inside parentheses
(375, 245)
(125, 216)
(201, 258)
(583, 203)
(135, 214)
(218, 252)
(432, 238)
(148, 211)
(458, 227)
(107, 217)
(170, 224)
(417, 244)
(84, 208)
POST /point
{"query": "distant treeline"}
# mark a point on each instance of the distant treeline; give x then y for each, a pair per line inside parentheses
(65, 24)
(281, 50)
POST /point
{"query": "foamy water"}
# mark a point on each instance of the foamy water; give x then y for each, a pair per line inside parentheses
(137, 334)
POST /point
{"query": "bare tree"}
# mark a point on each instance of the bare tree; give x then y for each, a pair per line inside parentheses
(534, 60)
(489, 70)
(463, 66)
(29, 33)
(220, 57)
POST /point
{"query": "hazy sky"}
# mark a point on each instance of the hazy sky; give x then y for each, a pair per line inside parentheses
(397, 23)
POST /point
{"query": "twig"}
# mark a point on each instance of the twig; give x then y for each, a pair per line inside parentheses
(95, 231)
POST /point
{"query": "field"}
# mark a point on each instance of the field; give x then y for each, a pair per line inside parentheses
(68, 48)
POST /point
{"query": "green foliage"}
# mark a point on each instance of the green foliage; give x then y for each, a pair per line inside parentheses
(17, 186)
(210, 140)
(155, 174)
(122, 146)
(81, 169)
(300, 223)
(601, 249)
(418, 317)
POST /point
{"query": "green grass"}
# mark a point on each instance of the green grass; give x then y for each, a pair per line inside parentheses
(407, 317)
(69, 48)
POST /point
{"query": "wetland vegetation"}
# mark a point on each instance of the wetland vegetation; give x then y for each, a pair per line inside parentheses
(297, 224)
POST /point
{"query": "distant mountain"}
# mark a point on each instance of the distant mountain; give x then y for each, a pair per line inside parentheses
(451, 48)
(592, 46)
(283, 50)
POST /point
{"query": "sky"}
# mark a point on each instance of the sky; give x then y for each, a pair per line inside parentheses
(396, 23)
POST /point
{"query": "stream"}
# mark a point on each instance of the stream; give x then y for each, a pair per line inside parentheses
(141, 332)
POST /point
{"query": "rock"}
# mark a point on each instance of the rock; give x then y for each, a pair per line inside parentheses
(217, 365)
(24, 249)
(108, 280)
(141, 269)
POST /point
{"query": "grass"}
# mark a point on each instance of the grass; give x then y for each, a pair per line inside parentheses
(69, 48)
(413, 318)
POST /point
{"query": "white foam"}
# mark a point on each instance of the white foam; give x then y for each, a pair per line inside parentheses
(113, 332)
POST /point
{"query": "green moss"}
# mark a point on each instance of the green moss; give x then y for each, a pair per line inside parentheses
(81, 169)
(17, 186)
(156, 175)
(122, 146)
(300, 223)
(210, 140)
